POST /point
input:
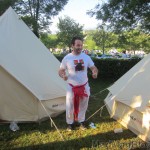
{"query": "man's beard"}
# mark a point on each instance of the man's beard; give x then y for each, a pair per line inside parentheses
(78, 50)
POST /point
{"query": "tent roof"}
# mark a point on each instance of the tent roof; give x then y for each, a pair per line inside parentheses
(133, 87)
(24, 56)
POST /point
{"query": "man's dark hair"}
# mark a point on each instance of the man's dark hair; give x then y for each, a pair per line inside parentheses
(75, 38)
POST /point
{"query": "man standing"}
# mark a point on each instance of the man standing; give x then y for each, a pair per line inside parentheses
(78, 90)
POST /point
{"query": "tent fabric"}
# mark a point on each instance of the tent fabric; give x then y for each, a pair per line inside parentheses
(27, 59)
(28, 74)
(137, 79)
(128, 100)
(18, 104)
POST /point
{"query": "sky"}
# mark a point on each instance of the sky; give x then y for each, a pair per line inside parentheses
(76, 10)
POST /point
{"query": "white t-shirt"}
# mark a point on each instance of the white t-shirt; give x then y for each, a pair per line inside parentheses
(77, 76)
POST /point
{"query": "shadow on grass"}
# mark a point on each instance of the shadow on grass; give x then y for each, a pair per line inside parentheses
(90, 141)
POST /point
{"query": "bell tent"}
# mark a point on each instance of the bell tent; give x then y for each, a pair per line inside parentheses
(128, 100)
(30, 88)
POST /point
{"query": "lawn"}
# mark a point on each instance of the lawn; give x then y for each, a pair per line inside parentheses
(42, 136)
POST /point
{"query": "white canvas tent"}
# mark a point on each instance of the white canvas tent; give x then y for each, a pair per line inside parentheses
(128, 100)
(28, 74)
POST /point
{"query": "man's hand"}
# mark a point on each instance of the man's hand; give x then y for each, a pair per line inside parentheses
(65, 78)
(94, 75)
(94, 72)
(62, 74)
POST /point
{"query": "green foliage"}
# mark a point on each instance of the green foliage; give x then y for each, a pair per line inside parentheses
(124, 14)
(114, 68)
(59, 57)
(31, 22)
(144, 42)
(36, 13)
(134, 40)
(89, 43)
(5, 4)
(68, 28)
(126, 40)
(103, 38)
(50, 41)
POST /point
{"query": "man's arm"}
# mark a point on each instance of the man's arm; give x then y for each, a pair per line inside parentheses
(94, 71)
(62, 74)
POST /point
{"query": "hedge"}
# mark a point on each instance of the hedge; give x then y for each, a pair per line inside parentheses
(111, 68)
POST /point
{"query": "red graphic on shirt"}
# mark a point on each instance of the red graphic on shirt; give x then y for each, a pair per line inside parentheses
(79, 65)
(81, 61)
(75, 62)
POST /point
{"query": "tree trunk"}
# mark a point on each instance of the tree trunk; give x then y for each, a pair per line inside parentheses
(36, 28)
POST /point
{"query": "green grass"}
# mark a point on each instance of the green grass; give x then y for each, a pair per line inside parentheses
(43, 136)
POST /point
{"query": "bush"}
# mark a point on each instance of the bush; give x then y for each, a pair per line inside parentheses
(111, 68)
(59, 56)
(114, 68)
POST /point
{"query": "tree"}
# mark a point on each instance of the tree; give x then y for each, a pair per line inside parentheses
(145, 42)
(4, 4)
(37, 13)
(104, 38)
(89, 43)
(50, 41)
(134, 40)
(68, 28)
(124, 14)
